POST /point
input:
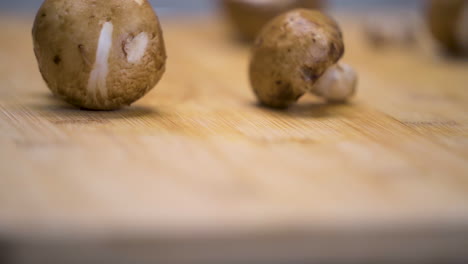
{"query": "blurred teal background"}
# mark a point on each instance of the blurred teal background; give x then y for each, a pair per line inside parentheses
(205, 5)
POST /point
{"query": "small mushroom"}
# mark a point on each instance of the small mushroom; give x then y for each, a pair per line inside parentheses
(99, 55)
(337, 84)
(291, 54)
(448, 23)
(249, 16)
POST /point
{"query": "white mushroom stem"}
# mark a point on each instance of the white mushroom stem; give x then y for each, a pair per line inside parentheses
(337, 84)
(98, 77)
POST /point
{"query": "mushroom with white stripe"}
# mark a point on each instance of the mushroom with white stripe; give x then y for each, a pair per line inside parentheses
(99, 55)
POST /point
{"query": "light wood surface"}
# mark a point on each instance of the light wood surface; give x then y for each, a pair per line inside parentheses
(198, 158)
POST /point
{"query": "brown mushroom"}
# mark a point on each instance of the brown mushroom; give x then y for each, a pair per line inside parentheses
(290, 55)
(448, 23)
(99, 55)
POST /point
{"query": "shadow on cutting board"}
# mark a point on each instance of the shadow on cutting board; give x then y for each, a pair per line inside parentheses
(310, 108)
(48, 104)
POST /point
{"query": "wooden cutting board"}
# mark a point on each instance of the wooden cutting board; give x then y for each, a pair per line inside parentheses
(198, 171)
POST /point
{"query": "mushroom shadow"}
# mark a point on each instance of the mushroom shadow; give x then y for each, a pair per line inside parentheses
(310, 108)
(51, 105)
(452, 58)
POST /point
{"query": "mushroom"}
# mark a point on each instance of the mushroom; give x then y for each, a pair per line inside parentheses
(291, 54)
(448, 23)
(99, 55)
(249, 16)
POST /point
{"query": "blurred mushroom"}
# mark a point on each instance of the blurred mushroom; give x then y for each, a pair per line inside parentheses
(448, 23)
(249, 16)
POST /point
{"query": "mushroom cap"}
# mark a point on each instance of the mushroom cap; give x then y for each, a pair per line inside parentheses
(448, 23)
(249, 16)
(99, 55)
(291, 53)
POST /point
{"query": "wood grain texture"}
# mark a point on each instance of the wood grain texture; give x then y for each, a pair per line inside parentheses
(199, 157)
